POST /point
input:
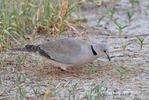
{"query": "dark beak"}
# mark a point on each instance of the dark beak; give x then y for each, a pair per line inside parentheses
(108, 56)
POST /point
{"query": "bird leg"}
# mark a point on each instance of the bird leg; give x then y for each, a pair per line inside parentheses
(67, 69)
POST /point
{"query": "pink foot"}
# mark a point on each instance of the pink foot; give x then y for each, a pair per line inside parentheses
(68, 70)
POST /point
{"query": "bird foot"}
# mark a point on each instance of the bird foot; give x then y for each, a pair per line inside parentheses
(68, 70)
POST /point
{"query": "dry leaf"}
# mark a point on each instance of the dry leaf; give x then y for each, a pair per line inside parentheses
(64, 8)
(72, 27)
(62, 13)
(47, 93)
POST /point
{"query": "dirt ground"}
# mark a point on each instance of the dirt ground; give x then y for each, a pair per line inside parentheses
(125, 77)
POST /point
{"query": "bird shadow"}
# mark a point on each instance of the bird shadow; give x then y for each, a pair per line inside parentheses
(58, 73)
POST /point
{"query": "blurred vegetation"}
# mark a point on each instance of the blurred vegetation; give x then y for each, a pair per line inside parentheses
(22, 19)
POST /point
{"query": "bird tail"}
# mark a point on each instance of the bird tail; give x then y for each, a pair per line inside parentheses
(27, 48)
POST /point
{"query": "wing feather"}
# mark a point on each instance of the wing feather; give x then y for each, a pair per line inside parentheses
(63, 50)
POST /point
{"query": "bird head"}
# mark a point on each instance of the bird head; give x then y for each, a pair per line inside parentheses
(101, 50)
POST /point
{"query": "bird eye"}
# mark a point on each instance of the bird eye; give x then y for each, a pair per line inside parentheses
(104, 51)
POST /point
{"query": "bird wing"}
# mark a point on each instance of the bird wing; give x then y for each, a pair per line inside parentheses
(63, 50)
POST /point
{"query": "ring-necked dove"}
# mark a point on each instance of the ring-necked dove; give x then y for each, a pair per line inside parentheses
(68, 52)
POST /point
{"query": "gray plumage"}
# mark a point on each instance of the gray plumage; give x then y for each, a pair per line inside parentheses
(27, 48)
(67, 51)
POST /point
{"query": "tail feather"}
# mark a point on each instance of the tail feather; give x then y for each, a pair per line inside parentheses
(27, 48)
(18, 49)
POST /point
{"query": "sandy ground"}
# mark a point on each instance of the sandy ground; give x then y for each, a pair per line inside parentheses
(131, 83)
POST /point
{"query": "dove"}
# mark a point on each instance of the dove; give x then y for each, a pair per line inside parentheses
(68, 52)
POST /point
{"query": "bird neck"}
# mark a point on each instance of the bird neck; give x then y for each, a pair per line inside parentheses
(93, 50)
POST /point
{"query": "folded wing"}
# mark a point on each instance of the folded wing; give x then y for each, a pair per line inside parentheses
(63, 50)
